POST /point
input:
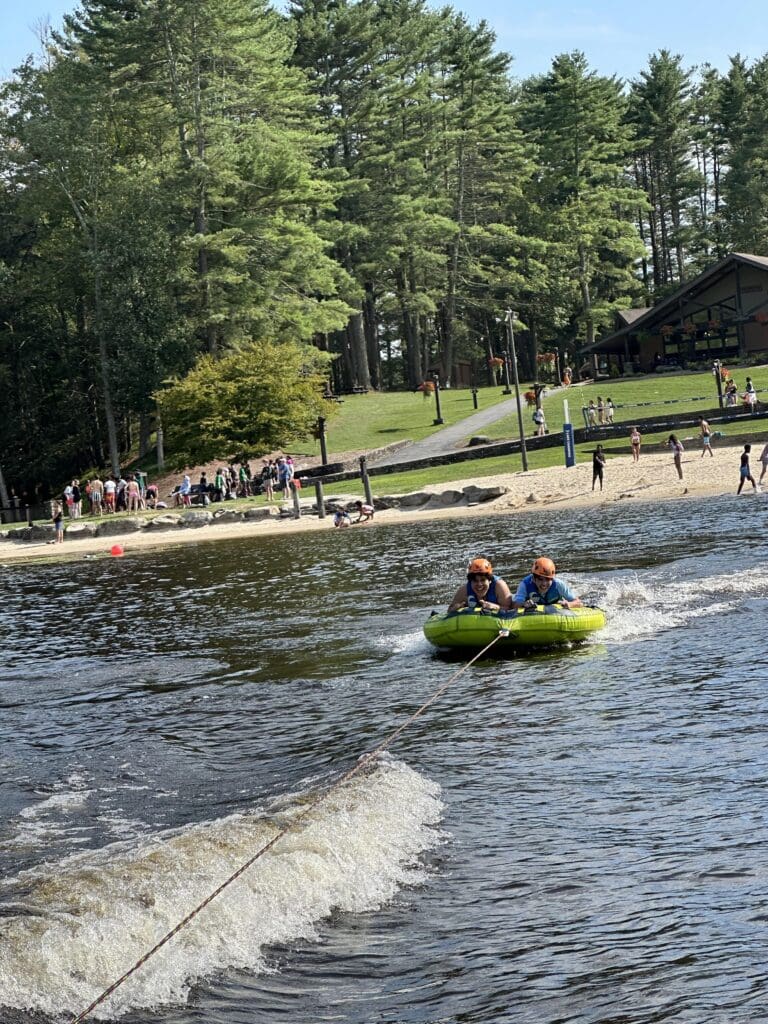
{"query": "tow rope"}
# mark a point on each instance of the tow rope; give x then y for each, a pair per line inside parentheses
(361, 764)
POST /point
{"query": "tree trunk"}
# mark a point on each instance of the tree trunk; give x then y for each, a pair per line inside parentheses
(358, 352)
(145, 429)
(370, 326)
(586, 300)
(410, 334)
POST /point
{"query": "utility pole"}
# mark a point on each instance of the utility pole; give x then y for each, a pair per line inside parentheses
(513, 354)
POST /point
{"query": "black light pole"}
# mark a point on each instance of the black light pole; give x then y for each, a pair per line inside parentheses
(321, 438)
(719, 381)
(511, 336)
(439, 418)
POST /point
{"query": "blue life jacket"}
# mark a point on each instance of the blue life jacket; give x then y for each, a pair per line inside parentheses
(472, 598)
(554, 593)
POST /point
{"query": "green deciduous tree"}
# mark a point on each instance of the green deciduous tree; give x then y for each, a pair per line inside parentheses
(266, 395)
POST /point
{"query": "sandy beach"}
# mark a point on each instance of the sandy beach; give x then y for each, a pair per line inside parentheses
(652, 479)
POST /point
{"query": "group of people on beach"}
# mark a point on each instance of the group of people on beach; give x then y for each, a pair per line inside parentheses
(489, 592)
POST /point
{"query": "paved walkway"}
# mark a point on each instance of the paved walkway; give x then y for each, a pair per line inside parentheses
(447, 440)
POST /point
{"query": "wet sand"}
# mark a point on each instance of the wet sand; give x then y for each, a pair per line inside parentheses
(653, 478)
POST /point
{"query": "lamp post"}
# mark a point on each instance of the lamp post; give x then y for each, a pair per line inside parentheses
(716, 366)
(320, 431)
(438, 418)
(511, 338)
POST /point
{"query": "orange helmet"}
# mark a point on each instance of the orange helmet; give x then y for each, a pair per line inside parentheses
(544, 567)
(479, 565)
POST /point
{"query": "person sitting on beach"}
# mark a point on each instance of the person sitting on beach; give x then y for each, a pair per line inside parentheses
(341, 518)
(364, 511)
(541, 586)
(482, 590)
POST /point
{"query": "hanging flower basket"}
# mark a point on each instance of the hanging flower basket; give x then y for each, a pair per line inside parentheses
(689, 328)
(427, 386)
(761, 318)
(495, 362)
(714, 325)
(667, 330)
(530, 397)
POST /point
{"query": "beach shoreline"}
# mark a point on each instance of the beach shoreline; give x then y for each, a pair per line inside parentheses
(652, 479)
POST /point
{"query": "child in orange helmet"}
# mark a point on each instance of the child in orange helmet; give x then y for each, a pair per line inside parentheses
(482, 590)
(541, 586)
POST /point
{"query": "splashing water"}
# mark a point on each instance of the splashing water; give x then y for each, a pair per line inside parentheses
(81, 923)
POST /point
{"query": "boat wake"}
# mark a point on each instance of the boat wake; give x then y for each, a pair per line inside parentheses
(642, 606)
(71, 928)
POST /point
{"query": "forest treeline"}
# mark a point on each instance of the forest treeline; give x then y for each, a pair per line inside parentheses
(183, 179)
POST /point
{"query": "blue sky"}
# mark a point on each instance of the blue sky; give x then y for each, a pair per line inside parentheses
(616, 37)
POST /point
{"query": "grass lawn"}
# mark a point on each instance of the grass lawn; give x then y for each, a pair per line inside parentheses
(374, 420)
(634, 398)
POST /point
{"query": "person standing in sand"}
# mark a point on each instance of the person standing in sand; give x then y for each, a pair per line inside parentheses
(677, 454)
(764, 461)
(598, 464)
(635, 440)
(706, 437)
(57, 518)
(745, 473)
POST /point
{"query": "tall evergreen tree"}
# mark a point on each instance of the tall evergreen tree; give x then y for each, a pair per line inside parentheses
(586, 200)
(661, 113)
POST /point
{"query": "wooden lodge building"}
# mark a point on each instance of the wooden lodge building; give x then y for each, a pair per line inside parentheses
(721, 314)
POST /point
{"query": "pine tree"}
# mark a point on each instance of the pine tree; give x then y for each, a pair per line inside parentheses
(661, 113)
(585, 200)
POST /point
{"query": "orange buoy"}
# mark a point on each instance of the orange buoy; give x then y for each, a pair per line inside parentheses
(117, 550)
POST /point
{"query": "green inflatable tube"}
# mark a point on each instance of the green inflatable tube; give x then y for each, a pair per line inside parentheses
(542, 626)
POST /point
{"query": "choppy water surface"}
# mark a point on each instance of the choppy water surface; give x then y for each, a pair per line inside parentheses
(578, 836)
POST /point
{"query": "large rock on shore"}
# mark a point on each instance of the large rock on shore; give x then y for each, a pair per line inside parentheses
(444, 499)
(227, 515)
(267, 512)
(81, 531)
(477, 495)
(41, 532)
(196, 518)
(169, 521)
(114, 526)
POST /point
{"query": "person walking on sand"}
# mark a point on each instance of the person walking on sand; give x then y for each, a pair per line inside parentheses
(598, 463)
(745, 473)
(764, 461)
(635, 440)
(677, 454)
(706, 437)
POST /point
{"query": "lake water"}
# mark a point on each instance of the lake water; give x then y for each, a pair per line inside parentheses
(577, 836)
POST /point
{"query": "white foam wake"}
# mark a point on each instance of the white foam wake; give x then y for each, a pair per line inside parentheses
(639, 606)
(83, 922)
